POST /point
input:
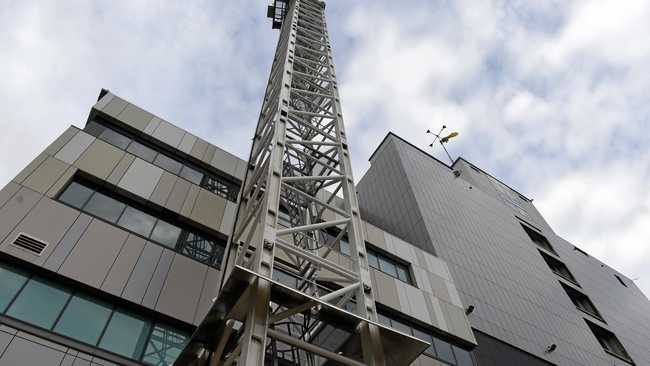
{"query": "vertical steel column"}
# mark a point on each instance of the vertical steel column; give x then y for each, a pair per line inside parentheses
(300, 168)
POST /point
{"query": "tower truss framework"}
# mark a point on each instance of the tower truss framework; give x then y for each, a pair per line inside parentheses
(284, 299)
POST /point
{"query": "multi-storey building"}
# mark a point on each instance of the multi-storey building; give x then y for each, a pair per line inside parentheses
(112, 241)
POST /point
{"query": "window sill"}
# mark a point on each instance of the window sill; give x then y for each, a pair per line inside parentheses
(622, 358)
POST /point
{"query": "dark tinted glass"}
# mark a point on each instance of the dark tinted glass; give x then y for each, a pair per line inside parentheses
(94, 128)
(463, 358)
(142, 151)
(83, 319)
(168, 163)
(403, 274)
(11, 280)
(387, 267)
(383, 319)
(115, 138)
(39, 303)
(166, 234)
(192, 175)
(345, 247)
(126, 335)
(137, 221)
(443, 349)
(76, 195)
(372, 260)
(400, 326)
(164, 346)
(104, 207)
(198, 247)
(427, 338)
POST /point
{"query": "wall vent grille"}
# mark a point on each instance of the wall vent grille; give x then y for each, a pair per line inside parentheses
(30, 244)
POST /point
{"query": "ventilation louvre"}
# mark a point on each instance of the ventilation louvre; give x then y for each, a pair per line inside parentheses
(30, 244)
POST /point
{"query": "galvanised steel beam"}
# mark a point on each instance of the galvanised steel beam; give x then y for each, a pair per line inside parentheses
(299, 164)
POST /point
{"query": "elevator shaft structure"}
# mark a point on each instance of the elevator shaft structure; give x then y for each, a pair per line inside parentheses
(284, 299)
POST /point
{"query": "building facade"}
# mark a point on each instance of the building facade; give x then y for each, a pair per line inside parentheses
(111, 244)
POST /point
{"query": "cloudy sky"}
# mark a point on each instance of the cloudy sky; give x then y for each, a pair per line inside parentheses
(550, 96)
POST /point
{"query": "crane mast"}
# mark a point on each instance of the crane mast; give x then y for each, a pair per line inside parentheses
(286, 295)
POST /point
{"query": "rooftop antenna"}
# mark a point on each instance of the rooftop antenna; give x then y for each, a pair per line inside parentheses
(443, 140)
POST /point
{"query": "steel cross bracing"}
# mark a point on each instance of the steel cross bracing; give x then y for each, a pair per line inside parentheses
(297, 204)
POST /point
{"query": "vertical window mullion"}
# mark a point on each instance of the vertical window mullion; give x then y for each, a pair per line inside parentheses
(58, 317)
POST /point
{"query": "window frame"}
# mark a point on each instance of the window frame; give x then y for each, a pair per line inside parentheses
(372, 253)
(544, 243)
(600, 333)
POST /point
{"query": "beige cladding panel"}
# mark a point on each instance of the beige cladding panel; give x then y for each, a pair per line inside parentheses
(115, 106)
(141, 178)
(135, 117)
(457, 321)
(209, 154)
(209, 292)
(48, 221)
(187, 143)
(178, 195)
(225, 161)
(7, 192)
(94, 254)
(208, 209)
(180, 294)
(385, 289)
(198, 150)
(99, 159)
(158, 279)
(228, 218)
(168, 133)
(46, 175)
(151, 127)
(417, 303)
(62, 182)
(75, 147)
(140, 277)
(163, 189)
(190, 200)
(120, 169)
(29, 169)
(124, 265)
(61, 141)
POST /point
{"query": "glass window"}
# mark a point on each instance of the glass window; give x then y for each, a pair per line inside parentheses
(198, 247)
(164, 346)
(104, 207)
(76, 195)
(94, 128)
(345, 247)
(427, 338)
(115, 138)
(83, 319)
(383, 319)
(463, 357)
(11, 281)
(403, 274)
(168, 164)
(137, 221)
(192, 175)
(126, 335)
(372, 260)
(39, 303)
(443, 350)
(166, 234)
(285, 278)
(400, 326)
(142, 151)
(387, 267)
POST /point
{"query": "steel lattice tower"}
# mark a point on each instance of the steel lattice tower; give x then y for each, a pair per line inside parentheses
(297, 204)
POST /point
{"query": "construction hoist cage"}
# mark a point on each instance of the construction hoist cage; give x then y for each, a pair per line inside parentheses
(295, 287)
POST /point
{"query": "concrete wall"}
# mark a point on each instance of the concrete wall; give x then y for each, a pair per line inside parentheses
(498, 269)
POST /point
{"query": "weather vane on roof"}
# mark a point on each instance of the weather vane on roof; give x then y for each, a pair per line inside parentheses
(443, 140)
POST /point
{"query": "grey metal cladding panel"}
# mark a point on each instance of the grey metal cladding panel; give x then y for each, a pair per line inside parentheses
(69, 240)
(120, 169)
(142, 273)
(141, 178)
(75, 147)
(158, 279)
(163, 189)
(209, 154)
(208, 209)
(48, 221)
(5, 339)
(124, 265)
(180, 294)
(209, 292)
(26, 352)
(94, 254)
(7, 192)
(178, 195)
(169, 134)
(135, 116)
(151, 127)
(62, 140)
(385, 288)
(16, 209)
